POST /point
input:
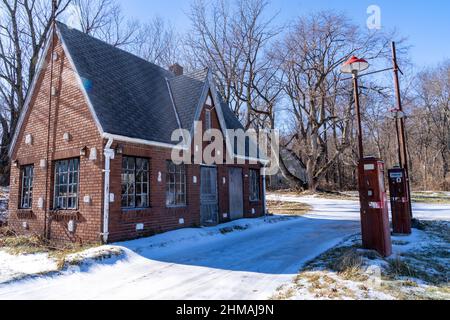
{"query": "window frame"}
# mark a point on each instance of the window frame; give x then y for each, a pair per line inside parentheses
(26, 189)
(135, 182)
(208, 119)
(254, 185)
(67, 173)
(176, 183)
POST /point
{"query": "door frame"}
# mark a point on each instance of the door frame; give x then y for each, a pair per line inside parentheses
(242, 214)
(217, 192)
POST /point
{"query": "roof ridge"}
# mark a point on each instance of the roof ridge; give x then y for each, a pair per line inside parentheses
(193, 75)
(113, 47)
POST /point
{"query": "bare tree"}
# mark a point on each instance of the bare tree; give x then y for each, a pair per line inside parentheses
(316, 47)
(104, 20)
(433, 110)
(24, 26)
(158, 42)
(155, 40)
(231, 40)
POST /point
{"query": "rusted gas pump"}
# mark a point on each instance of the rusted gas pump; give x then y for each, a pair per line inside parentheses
(399, 192)
(376, 231)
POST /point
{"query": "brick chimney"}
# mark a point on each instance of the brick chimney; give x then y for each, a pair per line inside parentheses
(176, 69)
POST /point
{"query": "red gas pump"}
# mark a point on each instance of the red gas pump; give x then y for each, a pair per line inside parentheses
(376, 232)
(401, 214)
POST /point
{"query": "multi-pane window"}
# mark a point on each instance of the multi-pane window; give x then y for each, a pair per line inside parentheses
(26, 192)
(175, 185)
(135, 182)
(66, 184)
(254, 185)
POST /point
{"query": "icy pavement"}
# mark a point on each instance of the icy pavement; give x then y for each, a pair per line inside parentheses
(195, 263)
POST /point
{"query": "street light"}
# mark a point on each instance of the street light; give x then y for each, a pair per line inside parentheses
(355, 66)
(372, 195)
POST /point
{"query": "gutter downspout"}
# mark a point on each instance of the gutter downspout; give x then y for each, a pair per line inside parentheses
(264, 192)
(109, 155)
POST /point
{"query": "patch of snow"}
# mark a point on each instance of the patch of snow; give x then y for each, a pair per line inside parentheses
(417, 240)
(324, 284)
(19, 266)
(337, 209)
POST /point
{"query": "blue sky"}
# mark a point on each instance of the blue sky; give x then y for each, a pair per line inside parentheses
(426, 24)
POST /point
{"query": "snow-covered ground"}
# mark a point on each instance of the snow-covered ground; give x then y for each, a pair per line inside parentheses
(428, 253)
(336, 209)
(211, 263)
(14, 267)
(246, 259)
(421, 259)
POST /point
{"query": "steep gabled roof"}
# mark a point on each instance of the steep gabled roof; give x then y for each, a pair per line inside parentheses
(129, 95)
(187, 90)
(133, 97)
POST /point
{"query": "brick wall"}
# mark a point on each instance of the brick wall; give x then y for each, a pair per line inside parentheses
(69, 114)
(158, 218)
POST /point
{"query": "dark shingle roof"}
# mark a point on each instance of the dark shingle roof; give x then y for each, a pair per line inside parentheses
(187, 90)
(130, 96)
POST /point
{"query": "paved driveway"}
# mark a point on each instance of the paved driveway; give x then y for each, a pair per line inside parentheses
(197, 264)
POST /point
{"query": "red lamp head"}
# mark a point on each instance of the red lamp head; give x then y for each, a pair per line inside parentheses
(355, 65)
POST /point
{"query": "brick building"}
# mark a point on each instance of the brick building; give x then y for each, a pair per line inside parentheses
(91, 158)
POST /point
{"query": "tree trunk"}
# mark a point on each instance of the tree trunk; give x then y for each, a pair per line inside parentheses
(292, 180)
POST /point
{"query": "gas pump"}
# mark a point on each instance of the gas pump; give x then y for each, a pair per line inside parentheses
(374, 207)
(401, 215)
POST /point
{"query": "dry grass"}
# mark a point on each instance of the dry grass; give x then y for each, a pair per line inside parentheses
(34, 244)
(350, 266)
(288, 208)
(283, 293)
(6, 232)
(417, 196)
(17, 245)
(431, 197)
(400, 268)
(326, 195)
(75, 258)
(323, 286)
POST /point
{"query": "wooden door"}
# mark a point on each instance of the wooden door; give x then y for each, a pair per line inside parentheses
(209, 208)
(236, 194)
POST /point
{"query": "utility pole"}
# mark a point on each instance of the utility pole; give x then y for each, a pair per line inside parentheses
(358, 115)
(400, 123)
(52, 34)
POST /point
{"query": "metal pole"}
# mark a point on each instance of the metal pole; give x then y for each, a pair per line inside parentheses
(402, 136)
(358, 114)
(399, 150)
(50, 102)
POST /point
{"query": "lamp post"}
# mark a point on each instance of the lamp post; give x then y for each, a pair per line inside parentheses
(372, 194)
(354, 66)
